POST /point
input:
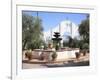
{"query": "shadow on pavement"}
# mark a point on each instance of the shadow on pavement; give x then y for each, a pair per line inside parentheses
(70, 64)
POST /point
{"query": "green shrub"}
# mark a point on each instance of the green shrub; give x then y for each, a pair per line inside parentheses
(28, 55)
(85, 46)
(54, 56)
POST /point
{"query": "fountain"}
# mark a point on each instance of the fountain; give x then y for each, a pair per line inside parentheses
(56, 40)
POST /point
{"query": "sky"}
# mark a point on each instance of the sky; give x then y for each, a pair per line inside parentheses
(52, 19)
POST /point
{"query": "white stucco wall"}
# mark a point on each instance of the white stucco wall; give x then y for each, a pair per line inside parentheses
(66, 54)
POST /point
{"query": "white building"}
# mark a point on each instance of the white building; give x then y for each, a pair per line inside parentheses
(66, 28)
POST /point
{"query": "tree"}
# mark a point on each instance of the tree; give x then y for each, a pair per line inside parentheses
(82, 43)
(27, 29)
(84, 30)
(84, 33)
(69, 42)
(73, 42)
(31, 32)
(37, 40)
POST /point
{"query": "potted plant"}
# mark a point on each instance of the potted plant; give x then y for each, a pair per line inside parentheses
(28, 55)
(77, 55)
(54, 56)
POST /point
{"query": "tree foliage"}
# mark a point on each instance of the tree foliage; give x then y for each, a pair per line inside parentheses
(31, 32)
(73, 43)
(82, 43)
(84, 30)
(27, 29)
(84, 33)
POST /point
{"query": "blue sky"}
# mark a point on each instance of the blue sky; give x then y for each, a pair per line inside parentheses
(52, 19)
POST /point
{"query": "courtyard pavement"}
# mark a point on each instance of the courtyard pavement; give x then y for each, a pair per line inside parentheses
(82, 61)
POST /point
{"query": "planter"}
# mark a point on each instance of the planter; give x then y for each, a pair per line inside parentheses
(54, 56)
(28, 55)
(77, 55)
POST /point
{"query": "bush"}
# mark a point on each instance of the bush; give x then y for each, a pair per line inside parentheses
(28, 55)
(85, 46)
(57, 47)
(54, 56)
(77, 55)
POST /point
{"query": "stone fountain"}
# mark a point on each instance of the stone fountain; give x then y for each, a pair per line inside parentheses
(56, 40)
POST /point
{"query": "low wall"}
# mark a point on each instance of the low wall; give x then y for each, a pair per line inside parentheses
(66, 54)
(47, 54)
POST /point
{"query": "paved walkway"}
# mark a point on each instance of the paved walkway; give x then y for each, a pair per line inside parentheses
(82, 61)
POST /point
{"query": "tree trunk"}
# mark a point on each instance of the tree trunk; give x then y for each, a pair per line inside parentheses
(24, 44)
